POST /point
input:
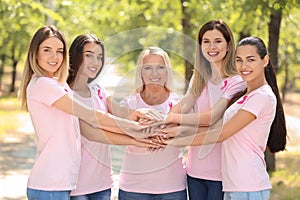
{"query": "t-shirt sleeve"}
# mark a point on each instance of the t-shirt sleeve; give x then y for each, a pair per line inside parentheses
(46, 90)
(235, 85)
(258, 103)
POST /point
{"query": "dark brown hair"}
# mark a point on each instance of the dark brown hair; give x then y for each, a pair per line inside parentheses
(76, 54)
(278, 133)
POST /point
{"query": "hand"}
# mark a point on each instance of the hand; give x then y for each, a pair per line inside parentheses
(148, 143)
(180, 141)
(172, 131)
(147, 116)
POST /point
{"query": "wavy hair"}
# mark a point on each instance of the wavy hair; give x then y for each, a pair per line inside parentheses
(31, 64)
(139, 83)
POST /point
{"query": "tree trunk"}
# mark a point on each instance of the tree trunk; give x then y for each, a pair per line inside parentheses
(188, 44)
(286, 80)
(2, 69)
(13, 76)
(274, 31)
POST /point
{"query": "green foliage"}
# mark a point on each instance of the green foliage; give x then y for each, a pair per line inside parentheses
(128, 26)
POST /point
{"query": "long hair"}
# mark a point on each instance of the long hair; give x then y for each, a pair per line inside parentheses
(139, 83)
(76, 55)
(202, 69)
(277, 137)
(31, 64)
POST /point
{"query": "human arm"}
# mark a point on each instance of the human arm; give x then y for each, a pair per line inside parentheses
(99, 118)
(201, 118)
(195, 137)
(107, 137)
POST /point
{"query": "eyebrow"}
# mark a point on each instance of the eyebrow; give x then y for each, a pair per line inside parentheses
(48, 47)
(89, 51)
(246, 57)
(214, 38)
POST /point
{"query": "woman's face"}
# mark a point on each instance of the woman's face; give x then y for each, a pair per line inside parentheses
(50, 55)
(214, 46)
(249, 64)
(92, 60)
(154, 70)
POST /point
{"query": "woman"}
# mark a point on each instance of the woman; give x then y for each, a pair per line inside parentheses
(213, 84)
(146, 174)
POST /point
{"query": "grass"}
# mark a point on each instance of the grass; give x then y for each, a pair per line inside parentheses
(11, 117)
(286, 179)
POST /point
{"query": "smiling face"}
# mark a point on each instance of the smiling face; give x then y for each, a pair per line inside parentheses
(249, 64)
(214, 46)
(154, 70)
(92, 60)
(50, 55)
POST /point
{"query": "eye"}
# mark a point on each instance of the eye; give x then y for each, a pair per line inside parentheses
(251, 60)
(147, 67)
(60, 51)
(99, 58)
(88, 55)
(205, 41)
(219, 41)
(161, 67)
(238, 60)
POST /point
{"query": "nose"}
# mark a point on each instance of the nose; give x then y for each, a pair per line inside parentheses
(243, 64)
(212, 45)
(154, 71)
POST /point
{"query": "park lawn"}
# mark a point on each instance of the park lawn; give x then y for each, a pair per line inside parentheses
(10, 115)
(285, 180)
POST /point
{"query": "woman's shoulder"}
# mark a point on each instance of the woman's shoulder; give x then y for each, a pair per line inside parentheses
(43, 81)
(263, 94)
(235, 78)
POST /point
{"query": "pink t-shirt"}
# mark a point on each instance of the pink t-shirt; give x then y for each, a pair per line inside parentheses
(243, 164)
(95, 172)
(152, 172)
(58, 137)
(205, 161)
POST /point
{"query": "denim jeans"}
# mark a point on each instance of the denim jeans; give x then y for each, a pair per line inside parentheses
(201, 189)
(259, 195)
(180, 195)
(102, 195)
(33, 194)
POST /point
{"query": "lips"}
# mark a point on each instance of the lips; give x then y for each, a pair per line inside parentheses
(93, 69)
(52, 63)
(245, 72)
(154, 79)
(212, 53)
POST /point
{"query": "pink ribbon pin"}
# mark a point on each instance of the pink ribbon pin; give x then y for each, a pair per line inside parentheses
(243, 100)
(170, 105)
(99, 94)
(225, 84)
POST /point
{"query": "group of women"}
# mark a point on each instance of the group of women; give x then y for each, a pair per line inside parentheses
(229, 115)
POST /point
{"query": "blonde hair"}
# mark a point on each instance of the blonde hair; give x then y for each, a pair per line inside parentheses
(31, 64)
(139, 83)
(202, 69)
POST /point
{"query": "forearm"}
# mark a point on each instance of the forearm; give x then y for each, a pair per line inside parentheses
(104, 136)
